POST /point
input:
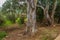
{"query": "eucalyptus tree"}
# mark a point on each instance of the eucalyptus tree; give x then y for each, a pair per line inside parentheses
(45, 5)
(31, 16)
(53, 12)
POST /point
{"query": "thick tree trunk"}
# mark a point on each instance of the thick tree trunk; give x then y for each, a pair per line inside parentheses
(31, 16)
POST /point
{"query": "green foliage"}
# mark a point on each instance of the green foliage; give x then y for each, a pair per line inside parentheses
(7, 22)
(1, 20)
(13, 7)
(40, 14)
(20, 20)
(4, 20)
(2, 34)
(11, 17)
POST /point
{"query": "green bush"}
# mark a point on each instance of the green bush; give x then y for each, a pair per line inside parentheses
(8, 22)
(39, 15)
(1, 20)
(20, 20)
(2, 34)
(11, 17)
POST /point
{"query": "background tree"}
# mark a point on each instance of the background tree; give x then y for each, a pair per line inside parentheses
(46, 6)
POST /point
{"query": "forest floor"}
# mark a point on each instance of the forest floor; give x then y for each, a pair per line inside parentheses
(43, 33)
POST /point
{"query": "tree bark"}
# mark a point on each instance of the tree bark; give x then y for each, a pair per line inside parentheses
(53, 12)
(31, 16)
(46, 14)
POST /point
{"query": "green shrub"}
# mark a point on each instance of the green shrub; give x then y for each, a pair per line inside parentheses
(11, 17)
(20, 20)
(2, 34)
(39, 15)
(7, 22)
(1, 20)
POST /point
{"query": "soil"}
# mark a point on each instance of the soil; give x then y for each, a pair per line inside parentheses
(16, 32)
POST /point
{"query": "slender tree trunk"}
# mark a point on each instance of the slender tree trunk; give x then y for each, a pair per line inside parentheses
(53, 12)
(46, 14)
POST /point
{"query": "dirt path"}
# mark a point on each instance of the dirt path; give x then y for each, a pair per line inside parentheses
(58, 38)
(17, 35)
(43, 33)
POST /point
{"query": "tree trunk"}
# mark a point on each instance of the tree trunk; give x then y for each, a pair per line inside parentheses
(31, 16)
(53, 12)
(46, 14)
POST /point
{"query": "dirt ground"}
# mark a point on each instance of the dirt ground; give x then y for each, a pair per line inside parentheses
(43, 33)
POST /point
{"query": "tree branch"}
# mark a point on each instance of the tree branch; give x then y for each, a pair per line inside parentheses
(40, 6)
